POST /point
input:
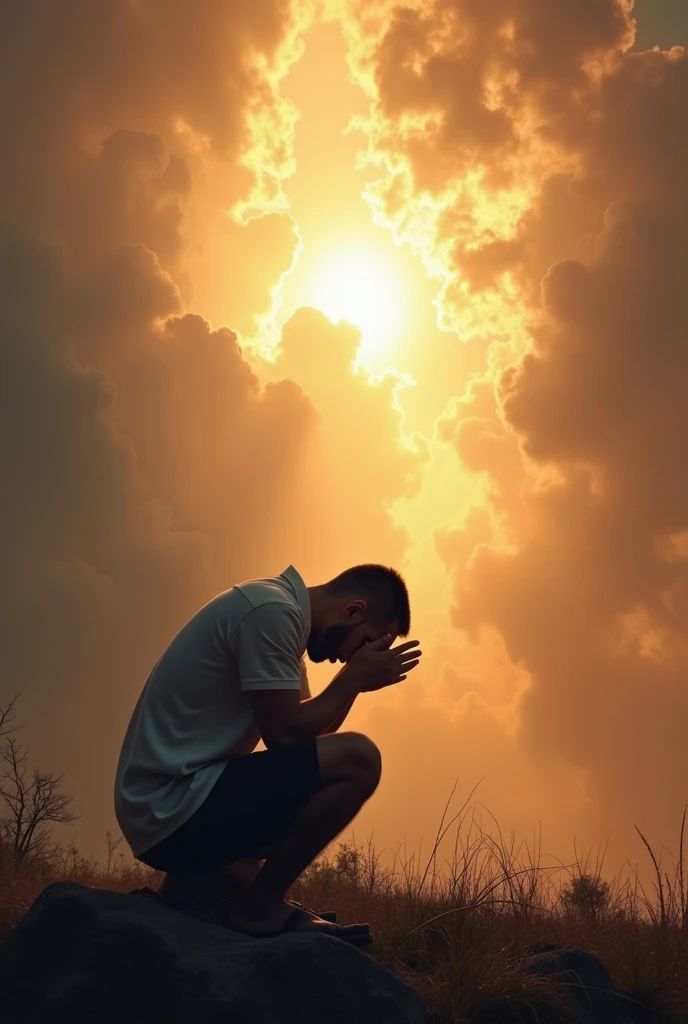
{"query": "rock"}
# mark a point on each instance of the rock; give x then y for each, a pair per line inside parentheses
(89, 956)
(593, 995)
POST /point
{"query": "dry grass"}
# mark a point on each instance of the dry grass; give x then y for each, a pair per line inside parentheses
(458, 932)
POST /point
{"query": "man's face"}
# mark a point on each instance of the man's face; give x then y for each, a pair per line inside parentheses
(341, 638)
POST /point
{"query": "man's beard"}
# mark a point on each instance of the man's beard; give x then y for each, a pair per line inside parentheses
(326, 643)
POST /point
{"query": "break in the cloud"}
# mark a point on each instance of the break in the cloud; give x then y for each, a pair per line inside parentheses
(540, 168)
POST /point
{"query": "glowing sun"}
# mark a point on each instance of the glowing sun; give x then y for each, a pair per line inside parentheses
(361, 286)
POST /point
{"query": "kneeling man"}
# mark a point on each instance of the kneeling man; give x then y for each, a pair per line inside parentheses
(194, 798)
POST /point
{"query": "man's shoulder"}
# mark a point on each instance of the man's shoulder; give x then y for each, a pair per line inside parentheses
(270, 604)
(261, 605)
(233, 605)
(273, 590)
(269, 612)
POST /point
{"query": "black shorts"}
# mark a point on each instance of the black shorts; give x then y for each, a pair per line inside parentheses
(248, 808)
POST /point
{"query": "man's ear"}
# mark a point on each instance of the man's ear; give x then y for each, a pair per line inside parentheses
(356, 608)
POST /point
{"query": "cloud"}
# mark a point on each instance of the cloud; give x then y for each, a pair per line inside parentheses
(148, 462)
(360, 459)
(600, 398)
(88, 547)
(590, 603)
(149, 122)
(538, 166)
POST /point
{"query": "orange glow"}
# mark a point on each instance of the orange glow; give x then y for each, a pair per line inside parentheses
(359, 281)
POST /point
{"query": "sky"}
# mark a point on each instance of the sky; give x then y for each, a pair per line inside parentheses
(324, 283)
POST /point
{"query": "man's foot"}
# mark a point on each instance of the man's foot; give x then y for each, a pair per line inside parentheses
(264, 923)
(188, 894)
(326, 915)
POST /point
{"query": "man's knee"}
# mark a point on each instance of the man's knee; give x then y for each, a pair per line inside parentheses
(365, 756)
(350, 755)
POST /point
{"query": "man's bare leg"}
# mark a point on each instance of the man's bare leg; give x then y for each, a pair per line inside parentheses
(243, 872)
(350, 771)
(224, 883)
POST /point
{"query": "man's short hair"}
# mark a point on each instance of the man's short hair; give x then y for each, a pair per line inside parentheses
(383, 588)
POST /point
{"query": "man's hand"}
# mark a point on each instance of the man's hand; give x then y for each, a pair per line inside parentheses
(376, 664)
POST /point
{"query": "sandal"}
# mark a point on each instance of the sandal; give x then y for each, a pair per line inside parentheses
(155, 894)
(326, 915)
(301, 921)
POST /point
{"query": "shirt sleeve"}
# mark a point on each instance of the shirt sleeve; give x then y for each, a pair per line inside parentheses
(268, 646)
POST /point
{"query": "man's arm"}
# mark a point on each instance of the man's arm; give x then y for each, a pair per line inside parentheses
(338, 722)
(305, 685)
(267, 645)
(283, 718)
(306, 695)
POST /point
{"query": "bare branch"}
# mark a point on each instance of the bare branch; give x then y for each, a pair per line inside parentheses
(31, 807)
(7, 717)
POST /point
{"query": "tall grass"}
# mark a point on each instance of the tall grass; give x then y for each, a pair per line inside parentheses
(458, 930)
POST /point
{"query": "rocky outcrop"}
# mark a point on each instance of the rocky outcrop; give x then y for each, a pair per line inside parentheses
(89, 956)
(591, 992)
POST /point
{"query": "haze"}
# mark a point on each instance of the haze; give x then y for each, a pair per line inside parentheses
(330, 283)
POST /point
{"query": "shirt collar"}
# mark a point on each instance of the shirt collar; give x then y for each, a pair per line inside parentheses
(301, 592)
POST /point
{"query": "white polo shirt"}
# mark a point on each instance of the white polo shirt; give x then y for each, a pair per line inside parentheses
(194, 713)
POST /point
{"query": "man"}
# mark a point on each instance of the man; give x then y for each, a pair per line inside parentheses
(193, 797)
